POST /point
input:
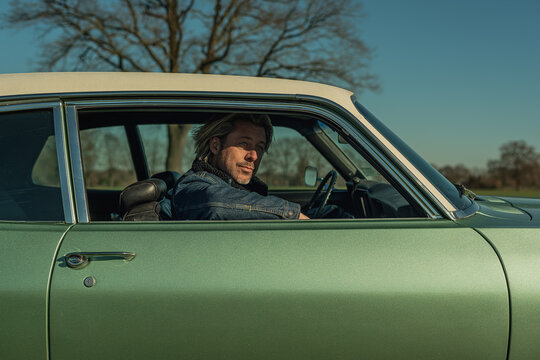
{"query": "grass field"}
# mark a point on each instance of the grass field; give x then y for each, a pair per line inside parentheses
(508, 192)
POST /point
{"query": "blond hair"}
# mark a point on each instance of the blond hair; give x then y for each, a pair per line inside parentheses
(222, 127)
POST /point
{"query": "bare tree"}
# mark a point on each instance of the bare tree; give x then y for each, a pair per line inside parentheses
(301, 39)
(518, 164)
(458, 174)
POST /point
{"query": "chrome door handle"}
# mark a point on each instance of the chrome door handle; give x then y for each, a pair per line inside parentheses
(78, 260)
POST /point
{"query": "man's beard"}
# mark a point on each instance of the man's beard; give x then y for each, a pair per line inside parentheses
(245, 165)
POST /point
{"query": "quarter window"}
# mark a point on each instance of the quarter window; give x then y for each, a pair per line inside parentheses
(29, 189)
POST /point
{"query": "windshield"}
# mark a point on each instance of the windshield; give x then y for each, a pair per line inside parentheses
(445, 186)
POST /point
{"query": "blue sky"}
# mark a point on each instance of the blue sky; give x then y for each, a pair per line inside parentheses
(459, 78)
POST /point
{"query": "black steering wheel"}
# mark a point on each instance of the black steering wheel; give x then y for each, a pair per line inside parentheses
(322, 197)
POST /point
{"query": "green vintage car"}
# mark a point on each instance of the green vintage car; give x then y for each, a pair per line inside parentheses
(422, 271)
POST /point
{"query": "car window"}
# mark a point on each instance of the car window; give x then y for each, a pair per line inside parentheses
(132, 145)
(29, 187)
(106, 158)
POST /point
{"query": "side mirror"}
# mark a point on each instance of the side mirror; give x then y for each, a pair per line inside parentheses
(310, 176)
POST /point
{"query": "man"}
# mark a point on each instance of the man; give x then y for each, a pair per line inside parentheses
(221, 184)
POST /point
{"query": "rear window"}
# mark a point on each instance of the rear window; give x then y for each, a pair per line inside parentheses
(29, 189)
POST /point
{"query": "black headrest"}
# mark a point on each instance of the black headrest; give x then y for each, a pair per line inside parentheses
(144, 191)
(170, 177)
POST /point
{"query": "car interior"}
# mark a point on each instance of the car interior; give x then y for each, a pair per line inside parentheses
(359, 195)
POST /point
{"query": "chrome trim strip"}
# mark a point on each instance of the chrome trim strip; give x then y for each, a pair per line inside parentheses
(28, 106)
(61, 149)
(120, 95)
(63, 164)
(76, 164)
(316, 109)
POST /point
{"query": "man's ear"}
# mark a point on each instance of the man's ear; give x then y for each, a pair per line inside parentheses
(215, 145)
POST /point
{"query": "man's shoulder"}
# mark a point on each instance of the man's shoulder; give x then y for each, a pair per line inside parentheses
(193, 177)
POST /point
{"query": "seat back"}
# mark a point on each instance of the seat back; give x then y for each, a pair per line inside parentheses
(140, 201)
(170, 178)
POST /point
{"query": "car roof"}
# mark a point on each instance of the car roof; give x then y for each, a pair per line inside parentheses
(88, 82)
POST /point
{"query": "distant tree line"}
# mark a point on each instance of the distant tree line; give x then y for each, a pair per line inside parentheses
(518, 167)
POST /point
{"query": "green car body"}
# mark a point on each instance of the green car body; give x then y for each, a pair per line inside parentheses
(446, 282)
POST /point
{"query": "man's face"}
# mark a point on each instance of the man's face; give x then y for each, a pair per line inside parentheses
(241, 152)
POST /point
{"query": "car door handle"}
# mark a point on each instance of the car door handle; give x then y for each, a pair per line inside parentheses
(78, 260)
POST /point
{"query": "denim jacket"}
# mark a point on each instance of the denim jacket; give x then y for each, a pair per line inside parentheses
(205, 193)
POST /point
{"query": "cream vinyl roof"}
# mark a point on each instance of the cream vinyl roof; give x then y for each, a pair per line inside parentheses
(81, 82)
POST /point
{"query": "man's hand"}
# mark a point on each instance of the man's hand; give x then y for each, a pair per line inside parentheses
(303, 217)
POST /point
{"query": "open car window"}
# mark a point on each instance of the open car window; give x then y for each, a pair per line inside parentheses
(127, 145)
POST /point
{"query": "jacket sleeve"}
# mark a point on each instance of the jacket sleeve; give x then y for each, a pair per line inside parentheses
(214, 199)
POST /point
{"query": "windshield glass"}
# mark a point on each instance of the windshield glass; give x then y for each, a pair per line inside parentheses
(445, 186)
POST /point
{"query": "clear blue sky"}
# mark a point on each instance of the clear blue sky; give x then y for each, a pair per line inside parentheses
(459, 78)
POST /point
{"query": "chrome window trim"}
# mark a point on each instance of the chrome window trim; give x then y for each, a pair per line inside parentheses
(61, 149)
(63, 164)
(224, 103)
(76, 164)
(25, 104)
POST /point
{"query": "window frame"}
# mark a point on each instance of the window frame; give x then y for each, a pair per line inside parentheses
(56, 105)
(225, 101)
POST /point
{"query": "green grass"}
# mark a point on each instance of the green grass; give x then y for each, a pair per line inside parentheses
(508, 192)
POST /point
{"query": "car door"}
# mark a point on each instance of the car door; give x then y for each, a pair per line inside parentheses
(35, 212)
(322, 289)
(418, 288)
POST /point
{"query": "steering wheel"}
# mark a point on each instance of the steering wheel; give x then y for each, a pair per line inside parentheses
(320, 196)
